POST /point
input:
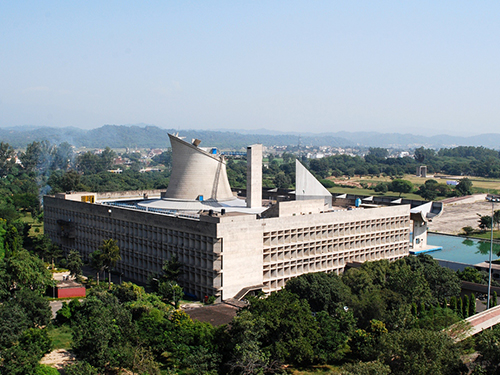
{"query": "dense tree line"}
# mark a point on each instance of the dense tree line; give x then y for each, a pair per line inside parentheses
(460, 161)
(365, 319)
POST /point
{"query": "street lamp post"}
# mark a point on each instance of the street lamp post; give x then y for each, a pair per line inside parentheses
(492, 200)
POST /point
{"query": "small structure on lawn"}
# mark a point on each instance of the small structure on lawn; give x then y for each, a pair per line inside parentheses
(69, 288)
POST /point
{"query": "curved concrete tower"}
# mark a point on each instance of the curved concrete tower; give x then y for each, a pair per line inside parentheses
(196, 173)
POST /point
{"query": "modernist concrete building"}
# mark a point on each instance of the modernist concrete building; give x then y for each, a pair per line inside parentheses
(228, 246)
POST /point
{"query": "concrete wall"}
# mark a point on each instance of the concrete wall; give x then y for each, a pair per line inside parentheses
(224, 254)
(325, 242)
(241, 253)
(145, 240)
(115, 195)
(254, 176)
(70, 292)
(196, 173)
(419, 235)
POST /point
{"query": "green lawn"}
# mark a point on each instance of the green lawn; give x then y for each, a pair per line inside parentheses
(36, 227)
(61, 337)
(487, 235)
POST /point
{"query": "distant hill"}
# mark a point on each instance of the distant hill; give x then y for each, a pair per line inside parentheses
(119, 136)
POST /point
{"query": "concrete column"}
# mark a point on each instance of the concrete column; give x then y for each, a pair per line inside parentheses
(254, 176)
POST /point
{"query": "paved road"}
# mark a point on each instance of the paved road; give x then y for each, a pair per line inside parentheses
(55, 306)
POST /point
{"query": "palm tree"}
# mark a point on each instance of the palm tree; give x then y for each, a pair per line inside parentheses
(97, 263)
(110, 255)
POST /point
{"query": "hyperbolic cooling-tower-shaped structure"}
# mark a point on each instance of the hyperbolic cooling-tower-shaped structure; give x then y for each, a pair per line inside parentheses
(196, 174)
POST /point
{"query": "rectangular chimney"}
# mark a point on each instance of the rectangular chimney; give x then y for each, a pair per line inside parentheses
(254, 176)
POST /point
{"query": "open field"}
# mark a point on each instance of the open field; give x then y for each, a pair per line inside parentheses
(457, 216)
(481, 184)
(477, 182)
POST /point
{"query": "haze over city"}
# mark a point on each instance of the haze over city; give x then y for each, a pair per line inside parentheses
(326, 66)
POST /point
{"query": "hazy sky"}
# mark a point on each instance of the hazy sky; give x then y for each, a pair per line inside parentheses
(395, 66)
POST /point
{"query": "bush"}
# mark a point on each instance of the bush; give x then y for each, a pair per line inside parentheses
(81, 368)
(211, 300)
(327, 183)
(468, 230)
(381, 187)
(45, 370)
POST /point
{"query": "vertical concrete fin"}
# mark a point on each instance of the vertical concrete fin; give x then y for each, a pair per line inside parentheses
(254, 176)
(308, 187)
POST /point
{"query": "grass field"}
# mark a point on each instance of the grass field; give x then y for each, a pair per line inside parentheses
(487, 235)
(361, 191)
(61, 337)
(36, 227)
(478, 183)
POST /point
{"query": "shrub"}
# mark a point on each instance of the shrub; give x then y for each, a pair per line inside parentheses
(468, 230)
(45, 370)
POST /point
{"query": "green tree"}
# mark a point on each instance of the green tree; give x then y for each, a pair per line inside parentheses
(172, 269)
(468, 230)
(247, 356)
(401, 186)
(424, 155)
(366, 368)
(110, 255)
(22, 358)
(443, 282)
(291, 331)
(7, 160)
(472, 304)
(466, 307)
(488, 345)
(484, 222)
(81, 368)
(420, 351)
(323, 292)
(429, 190)
(464, 186)
(25, 270)
(171, 292)
(103, 332)
(473, 275)
(74, 264)
(282, 181)
(97, 263)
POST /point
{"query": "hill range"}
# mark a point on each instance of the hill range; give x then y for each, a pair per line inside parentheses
(147, 136)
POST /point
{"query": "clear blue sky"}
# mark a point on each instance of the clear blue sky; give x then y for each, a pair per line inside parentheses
(387, 66)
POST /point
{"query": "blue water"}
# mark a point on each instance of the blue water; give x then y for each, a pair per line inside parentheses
(462, 250)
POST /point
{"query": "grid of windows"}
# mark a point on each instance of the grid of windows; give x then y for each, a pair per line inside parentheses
(143, 248)
(295, 251)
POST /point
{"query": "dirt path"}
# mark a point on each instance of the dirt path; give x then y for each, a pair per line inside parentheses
(58, 359)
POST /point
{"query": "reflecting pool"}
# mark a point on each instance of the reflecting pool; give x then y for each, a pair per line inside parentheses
(461, 249)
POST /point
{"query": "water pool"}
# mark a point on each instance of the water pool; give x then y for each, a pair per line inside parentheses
(461, 249)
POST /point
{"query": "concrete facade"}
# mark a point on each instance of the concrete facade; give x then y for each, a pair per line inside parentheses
(197, 173)
(223, 254)
(254, 176)
(227, 250)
